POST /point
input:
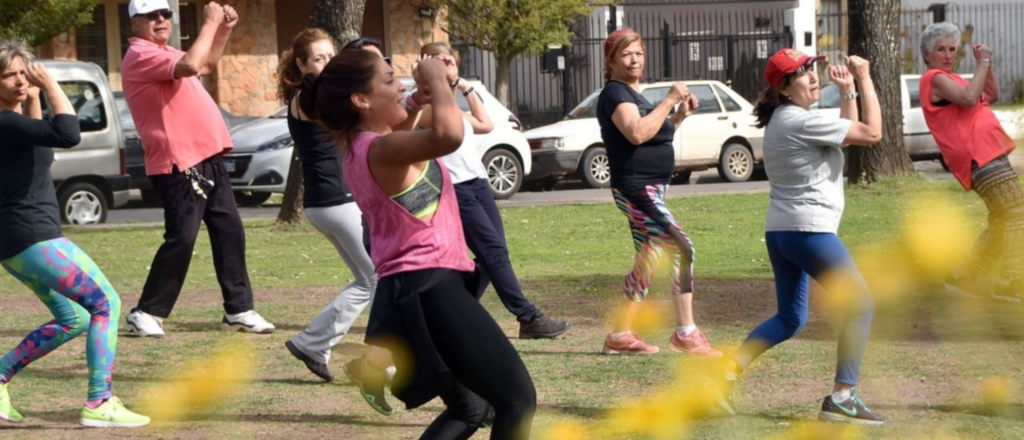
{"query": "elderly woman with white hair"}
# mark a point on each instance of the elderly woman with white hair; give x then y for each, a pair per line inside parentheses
(975, 147)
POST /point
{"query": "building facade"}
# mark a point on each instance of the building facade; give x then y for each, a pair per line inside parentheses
(245, 80)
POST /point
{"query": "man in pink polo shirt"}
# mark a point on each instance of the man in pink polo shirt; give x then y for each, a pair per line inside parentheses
(184, 137)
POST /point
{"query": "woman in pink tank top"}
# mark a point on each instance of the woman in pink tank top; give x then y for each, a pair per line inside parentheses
(443, 341)
(975, 147)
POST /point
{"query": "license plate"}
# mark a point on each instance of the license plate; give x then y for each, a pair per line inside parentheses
(229, 165)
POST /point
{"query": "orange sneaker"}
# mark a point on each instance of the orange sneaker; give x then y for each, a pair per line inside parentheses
(630, 343)
(696, 344)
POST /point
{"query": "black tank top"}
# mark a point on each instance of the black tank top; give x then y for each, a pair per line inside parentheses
(321, 164)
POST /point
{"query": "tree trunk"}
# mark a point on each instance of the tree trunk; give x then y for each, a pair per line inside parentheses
(343, 19)
(874, 33)
(504, 63)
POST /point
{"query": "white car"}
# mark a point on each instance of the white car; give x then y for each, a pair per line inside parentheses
(504, 151)
(259, 163)
(917, 137)
(720, 134)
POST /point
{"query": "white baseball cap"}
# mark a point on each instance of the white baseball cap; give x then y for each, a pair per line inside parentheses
(137, 7)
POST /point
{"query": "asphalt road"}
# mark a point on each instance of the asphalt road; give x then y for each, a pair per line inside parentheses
(706, 182)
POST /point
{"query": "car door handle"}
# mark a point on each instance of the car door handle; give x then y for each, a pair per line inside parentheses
(722, 118)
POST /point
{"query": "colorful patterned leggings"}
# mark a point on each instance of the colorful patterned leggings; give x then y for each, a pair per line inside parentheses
(654, 229)
(1003, 239)
(80, 298)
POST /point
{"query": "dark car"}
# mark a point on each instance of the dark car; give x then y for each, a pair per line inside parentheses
(135, 159)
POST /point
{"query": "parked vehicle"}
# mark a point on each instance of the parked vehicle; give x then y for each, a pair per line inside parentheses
(260, 161)
(90, 178)
(504, 151)
(917, 137)
(136, 155)
(720, 134)
(258, 164)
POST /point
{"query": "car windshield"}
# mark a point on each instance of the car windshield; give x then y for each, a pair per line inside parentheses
(586, 109)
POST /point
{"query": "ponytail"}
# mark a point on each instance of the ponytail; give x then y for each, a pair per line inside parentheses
(769, 100)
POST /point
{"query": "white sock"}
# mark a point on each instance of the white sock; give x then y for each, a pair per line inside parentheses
(685, 330)
(616, 336)
(840, 396)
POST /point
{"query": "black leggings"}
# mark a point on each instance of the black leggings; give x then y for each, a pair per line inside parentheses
(486, 366)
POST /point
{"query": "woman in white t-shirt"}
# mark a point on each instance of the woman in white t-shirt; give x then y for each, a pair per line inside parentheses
(804, 161)
(481, 221)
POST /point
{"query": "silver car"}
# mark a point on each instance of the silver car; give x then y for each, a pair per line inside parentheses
(258, 164)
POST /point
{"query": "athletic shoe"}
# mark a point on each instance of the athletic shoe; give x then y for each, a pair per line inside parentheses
(542, 327)
(694, 344)
(724, 397)
(629, 343)
(112, 414)
(316, 367)
(1009, 292)
(962, 286)
(853, 410)
(249, 321)
(143, 324)
(371, 384)
(7, 411)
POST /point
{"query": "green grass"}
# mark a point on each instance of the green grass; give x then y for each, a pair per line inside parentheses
(928, 355)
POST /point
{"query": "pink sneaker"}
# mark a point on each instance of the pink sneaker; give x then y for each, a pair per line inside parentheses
(696, 344)
(630, 343)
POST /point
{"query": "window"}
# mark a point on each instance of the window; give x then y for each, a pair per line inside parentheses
(91, 39)
(829, 97)
(730, 104)
(655, 95)
(88, 103)
(587, 108)
(706, 99)
(914, 87)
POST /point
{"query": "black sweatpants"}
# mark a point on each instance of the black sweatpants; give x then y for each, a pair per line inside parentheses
(486, 366)
(184, 210)
(485, 236)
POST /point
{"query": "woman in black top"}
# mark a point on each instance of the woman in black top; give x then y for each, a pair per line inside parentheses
(638, 137)
(330, 209)
(33, 250)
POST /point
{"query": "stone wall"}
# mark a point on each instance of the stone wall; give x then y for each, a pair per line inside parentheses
(409, 31)
(246, 77)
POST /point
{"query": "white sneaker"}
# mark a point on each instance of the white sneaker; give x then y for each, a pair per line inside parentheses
(140, 323)
(249, 321)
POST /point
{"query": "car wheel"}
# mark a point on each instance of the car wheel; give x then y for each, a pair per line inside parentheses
(595, 170)
(81, 203)
(736, 163)
(504, 173)
(682, 178)
(251, 198)
(151, 198)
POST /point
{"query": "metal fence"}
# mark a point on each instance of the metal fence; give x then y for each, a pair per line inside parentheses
(729, 46)
(996, 25)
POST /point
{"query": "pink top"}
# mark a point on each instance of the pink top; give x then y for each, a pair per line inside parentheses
(400, 242)
(178, 121)
(964, 134)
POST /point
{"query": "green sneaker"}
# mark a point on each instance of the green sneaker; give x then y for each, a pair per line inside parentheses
(371, 383)
(7, 412)
(112, 414)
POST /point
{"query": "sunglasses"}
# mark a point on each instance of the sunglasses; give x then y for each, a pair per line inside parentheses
(165, 13)
(387, 60)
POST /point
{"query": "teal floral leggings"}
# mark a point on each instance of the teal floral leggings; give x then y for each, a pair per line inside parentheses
(80, 298)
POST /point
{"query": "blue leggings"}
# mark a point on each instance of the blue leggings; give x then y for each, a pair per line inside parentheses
(794, 257)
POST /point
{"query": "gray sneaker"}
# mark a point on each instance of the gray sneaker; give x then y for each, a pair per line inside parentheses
(542, 327)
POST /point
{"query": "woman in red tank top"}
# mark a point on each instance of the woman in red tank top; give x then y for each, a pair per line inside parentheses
(975, 147)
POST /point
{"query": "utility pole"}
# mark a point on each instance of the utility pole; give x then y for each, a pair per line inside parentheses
(175, 40)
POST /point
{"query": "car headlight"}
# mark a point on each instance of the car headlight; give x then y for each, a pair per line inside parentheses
(276, 144)
(556, 143)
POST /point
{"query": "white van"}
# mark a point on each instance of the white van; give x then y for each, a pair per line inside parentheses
(90, 178)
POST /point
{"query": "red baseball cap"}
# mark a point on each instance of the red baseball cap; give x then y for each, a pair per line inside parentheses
(785, 62)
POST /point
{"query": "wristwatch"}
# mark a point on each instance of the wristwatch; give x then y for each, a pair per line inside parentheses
(848, 96)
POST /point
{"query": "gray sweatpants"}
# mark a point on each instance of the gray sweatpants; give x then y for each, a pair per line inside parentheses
(342, 225)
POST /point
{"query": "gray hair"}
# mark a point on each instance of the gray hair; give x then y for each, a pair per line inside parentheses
(9, 49)
(934, 32)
